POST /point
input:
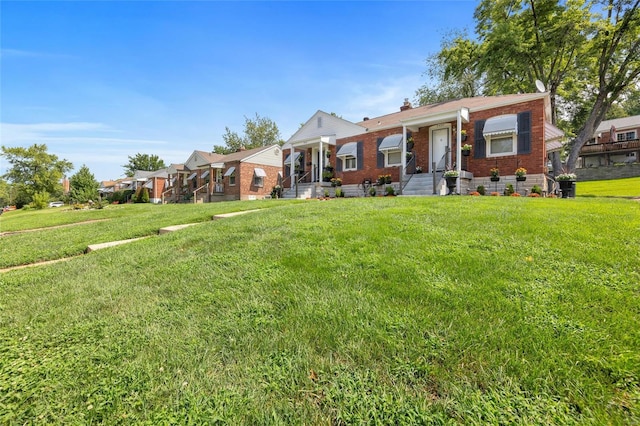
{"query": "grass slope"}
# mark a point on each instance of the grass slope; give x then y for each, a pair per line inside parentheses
(468, 310)
(627, 187)
(55, 239)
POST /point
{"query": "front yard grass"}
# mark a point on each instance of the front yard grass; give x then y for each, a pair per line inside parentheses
(116, 222)
(627, 187)
(468, 310)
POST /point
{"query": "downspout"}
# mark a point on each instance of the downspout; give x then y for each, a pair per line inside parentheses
(458, 150)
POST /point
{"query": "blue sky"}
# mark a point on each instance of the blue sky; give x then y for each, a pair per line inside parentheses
(100, 81)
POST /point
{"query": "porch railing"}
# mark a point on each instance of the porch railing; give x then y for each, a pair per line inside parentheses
(412, 163)
(610, 147)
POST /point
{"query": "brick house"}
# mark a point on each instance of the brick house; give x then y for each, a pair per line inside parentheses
(209, 177)
(614, 142)
(505, 132)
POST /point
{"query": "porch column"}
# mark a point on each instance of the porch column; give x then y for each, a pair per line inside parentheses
(292, 168)
(321, 162)
(404, 154)
(323, 140)
(458, 149)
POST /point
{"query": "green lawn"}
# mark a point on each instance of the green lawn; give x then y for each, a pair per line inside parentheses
(467, 310)
(628, 187)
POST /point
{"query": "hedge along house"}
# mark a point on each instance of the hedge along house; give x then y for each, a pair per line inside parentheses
(309, 154)
(505, 132)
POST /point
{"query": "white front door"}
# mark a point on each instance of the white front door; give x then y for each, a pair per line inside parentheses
(439, 144)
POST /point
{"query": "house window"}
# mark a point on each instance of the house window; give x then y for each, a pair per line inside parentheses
(232, 179)
(258, 177)
(501, 145)
(626, 136)
(350, 163)
(393, 158)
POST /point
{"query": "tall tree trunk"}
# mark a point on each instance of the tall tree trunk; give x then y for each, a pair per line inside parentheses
(587, 131)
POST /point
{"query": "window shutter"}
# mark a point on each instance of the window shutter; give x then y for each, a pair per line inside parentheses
(338, 162)
(480, 145)
(360, 157)
(524, 132)
(380, 155)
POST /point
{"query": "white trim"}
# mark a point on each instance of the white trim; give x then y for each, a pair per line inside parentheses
(514, 145)
(386, 157)
(440, 126)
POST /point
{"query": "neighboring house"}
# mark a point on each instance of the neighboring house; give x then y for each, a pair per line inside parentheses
(209, 177)
(506, 132)
(615, 141)
(310, 152)
(155, 182)
(187, 182)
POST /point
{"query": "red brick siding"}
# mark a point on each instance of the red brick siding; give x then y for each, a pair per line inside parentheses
(534, 162)
(370, 168)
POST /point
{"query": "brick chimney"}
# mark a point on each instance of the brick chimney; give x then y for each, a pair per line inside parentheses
(406, 105)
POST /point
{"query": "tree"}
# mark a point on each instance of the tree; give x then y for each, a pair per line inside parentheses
(615, 52)
(145, 162)
(260, 131)
(586, 53)
(83, 186)
(34, 171)
(453, 71)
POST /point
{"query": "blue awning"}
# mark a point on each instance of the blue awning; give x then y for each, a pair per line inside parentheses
(259, 172)
(391, 143)
(501, 125)
(230, 171)
(348, 149)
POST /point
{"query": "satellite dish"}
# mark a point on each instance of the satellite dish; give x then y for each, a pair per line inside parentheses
(540, 86)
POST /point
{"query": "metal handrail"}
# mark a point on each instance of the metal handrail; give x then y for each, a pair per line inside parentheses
(404, 173)
(195, 191)
(297, 181)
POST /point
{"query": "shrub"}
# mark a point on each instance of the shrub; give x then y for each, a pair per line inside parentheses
(508, 190)
(390, 191)
(142, 196)
(339, 193)
(536, 190)
(372, 191)
(482, 190)
(40, 200)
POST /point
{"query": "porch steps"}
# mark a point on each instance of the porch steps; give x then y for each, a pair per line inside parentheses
(305, 190)
(421, 184)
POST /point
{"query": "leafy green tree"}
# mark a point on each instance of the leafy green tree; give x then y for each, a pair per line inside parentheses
(453, 72)
(83, 186)
(144, 162)
(33, 170)
(587, 53)
(260, 131)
